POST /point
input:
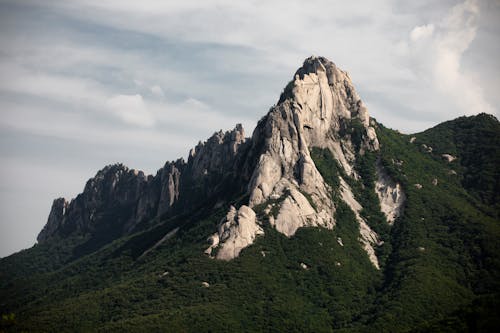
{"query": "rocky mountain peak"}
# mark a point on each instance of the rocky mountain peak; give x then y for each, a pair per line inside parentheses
(315, 64)
(107, 179)
(336, 91)
(56, 215)
(113, 187)
(318, 108)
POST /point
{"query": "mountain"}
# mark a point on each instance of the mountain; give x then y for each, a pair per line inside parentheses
(323, 220)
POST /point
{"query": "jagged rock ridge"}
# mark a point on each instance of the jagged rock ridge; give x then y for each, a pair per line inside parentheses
(136, 198)
(273, 167)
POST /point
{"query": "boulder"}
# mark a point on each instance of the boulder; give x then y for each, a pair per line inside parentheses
(236, 231)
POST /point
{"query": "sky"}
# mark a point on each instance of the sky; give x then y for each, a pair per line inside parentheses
(84, 84)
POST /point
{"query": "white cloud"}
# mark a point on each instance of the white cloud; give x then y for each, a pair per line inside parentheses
(197, 116)
(194, 103)
(437, 54)
(72, 90)
(131, 109)
(422, 32)
(157, 91)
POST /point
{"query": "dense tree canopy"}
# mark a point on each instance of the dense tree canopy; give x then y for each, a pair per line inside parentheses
(440, 262)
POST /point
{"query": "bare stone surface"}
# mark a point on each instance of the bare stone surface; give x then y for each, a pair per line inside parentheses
(390, 194)
(236, 231)
(217, 154)
(55, 220)
(427, 148)
(449, 158)
(170, 182)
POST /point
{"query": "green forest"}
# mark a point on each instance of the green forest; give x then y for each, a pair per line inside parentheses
(440, 261)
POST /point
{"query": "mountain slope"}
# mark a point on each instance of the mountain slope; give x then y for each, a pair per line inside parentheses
(406, 242)
(476, 143)
(445, 249)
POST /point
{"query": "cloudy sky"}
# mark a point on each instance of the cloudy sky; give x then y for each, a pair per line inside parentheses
(87, 83)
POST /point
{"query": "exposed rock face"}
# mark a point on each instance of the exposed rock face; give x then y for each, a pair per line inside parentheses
(217, 154)
(238, 230)
(296, 212)
(449, 158)
(314, 111)
(169, 177)
(56, 218)
(390, 194)
(114, 190)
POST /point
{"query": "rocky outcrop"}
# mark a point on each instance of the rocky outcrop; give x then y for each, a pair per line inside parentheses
(55, 220)
(426, 148)
(169, 179)
(115, 190)
(448, 158)
(296, 211)
(217, 154)
(390, 195)
(316, 110)
(236, 231)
